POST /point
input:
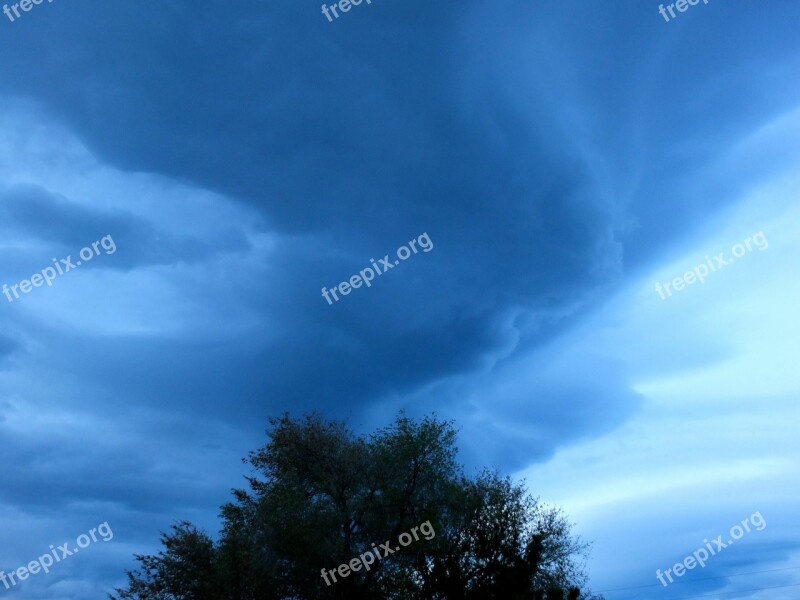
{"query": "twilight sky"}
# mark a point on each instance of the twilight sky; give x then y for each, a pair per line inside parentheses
(563, 158)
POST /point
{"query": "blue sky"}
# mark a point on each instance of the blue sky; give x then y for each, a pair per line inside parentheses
(563, 158)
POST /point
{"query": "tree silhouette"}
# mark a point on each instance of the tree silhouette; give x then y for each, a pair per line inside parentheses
(321, 497)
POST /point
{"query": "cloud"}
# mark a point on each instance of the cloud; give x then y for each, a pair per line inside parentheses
(712, 440)
(33, 215)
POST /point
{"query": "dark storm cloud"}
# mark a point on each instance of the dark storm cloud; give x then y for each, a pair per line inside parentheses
(524, 410)
(30, 212)
(354, 136)
(55, 471)
(348, 132)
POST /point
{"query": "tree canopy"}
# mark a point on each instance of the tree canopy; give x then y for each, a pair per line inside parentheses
(321, 496)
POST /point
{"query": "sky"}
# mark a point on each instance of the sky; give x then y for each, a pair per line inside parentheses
(563, 158)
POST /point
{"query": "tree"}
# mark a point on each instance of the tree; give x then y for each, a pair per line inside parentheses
(321, 497)
(184, 569)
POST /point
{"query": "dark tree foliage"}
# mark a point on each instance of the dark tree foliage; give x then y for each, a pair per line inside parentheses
(321, 496)
(184, 569)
